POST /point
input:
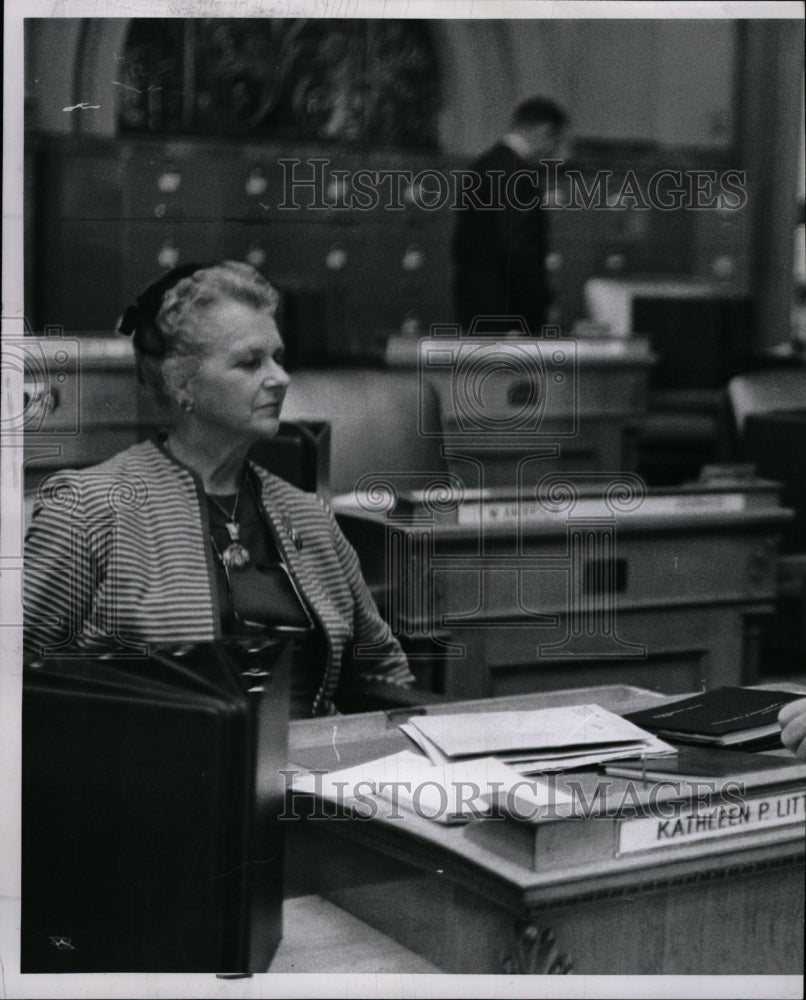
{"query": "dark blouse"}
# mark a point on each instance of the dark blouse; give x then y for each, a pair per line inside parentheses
(260, 598)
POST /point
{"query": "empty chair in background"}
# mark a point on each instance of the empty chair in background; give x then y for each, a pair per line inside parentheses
(765, 391)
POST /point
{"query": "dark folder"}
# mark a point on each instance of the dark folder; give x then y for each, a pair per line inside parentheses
(725, 716)
(151, 791)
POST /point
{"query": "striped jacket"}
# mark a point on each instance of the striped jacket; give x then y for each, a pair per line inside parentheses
(120, 553)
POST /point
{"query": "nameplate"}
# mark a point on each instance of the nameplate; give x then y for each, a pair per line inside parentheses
(535, 512)
(708, 822)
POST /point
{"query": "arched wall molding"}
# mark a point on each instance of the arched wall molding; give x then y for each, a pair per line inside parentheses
(99, 53)
(78, 63)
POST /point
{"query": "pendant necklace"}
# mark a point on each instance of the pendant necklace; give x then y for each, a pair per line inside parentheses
(234, 556)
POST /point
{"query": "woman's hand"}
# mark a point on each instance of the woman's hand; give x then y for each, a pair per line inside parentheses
(792, 719)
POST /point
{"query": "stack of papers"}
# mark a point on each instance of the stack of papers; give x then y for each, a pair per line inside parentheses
(545, 739)
(451, 793)
(476, 763)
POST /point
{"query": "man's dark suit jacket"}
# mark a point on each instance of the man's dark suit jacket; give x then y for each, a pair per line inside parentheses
(499, 253)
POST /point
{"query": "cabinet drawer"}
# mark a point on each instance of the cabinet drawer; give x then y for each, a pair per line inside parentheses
(81, 267)
(174, 181)
(156, 247)
(82, 183)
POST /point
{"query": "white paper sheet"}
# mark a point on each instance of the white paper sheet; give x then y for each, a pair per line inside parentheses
(448, 793)
(550, 729)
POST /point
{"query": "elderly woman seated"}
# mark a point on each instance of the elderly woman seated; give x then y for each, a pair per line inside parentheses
(205, 544)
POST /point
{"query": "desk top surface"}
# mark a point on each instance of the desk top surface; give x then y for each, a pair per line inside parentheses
(559, 501)
(460, 854)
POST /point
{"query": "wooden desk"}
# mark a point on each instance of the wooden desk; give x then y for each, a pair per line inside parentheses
(447, 896)
(670, 601)
(573, 399)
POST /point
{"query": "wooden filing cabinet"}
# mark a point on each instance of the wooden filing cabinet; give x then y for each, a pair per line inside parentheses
(87, 198)
(110, 217)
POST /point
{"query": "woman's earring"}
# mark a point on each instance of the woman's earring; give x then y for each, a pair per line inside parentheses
(186, 405)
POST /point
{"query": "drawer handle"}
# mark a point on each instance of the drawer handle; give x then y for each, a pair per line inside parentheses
(168, 256)
(169, 181)
(336, 258)
(413, 259)
(256, 183)
(256, 256)
(411, 326)
(46, 400)
(723, 266)
(337, 191)
(615, 262)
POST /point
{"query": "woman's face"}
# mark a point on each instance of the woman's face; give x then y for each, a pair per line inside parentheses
(240, 383)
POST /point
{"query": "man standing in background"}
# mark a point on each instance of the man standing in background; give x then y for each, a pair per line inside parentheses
(500, 239)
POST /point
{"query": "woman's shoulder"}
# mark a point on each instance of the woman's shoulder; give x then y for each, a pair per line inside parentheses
(126, 473)
(279, 490)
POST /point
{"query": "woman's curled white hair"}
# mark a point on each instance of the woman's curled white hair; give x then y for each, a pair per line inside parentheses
(182, 316)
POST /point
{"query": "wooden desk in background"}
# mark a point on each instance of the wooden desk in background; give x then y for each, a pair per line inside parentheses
(83, 404)
(669, 598)
(446, 895)
(574, 399)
